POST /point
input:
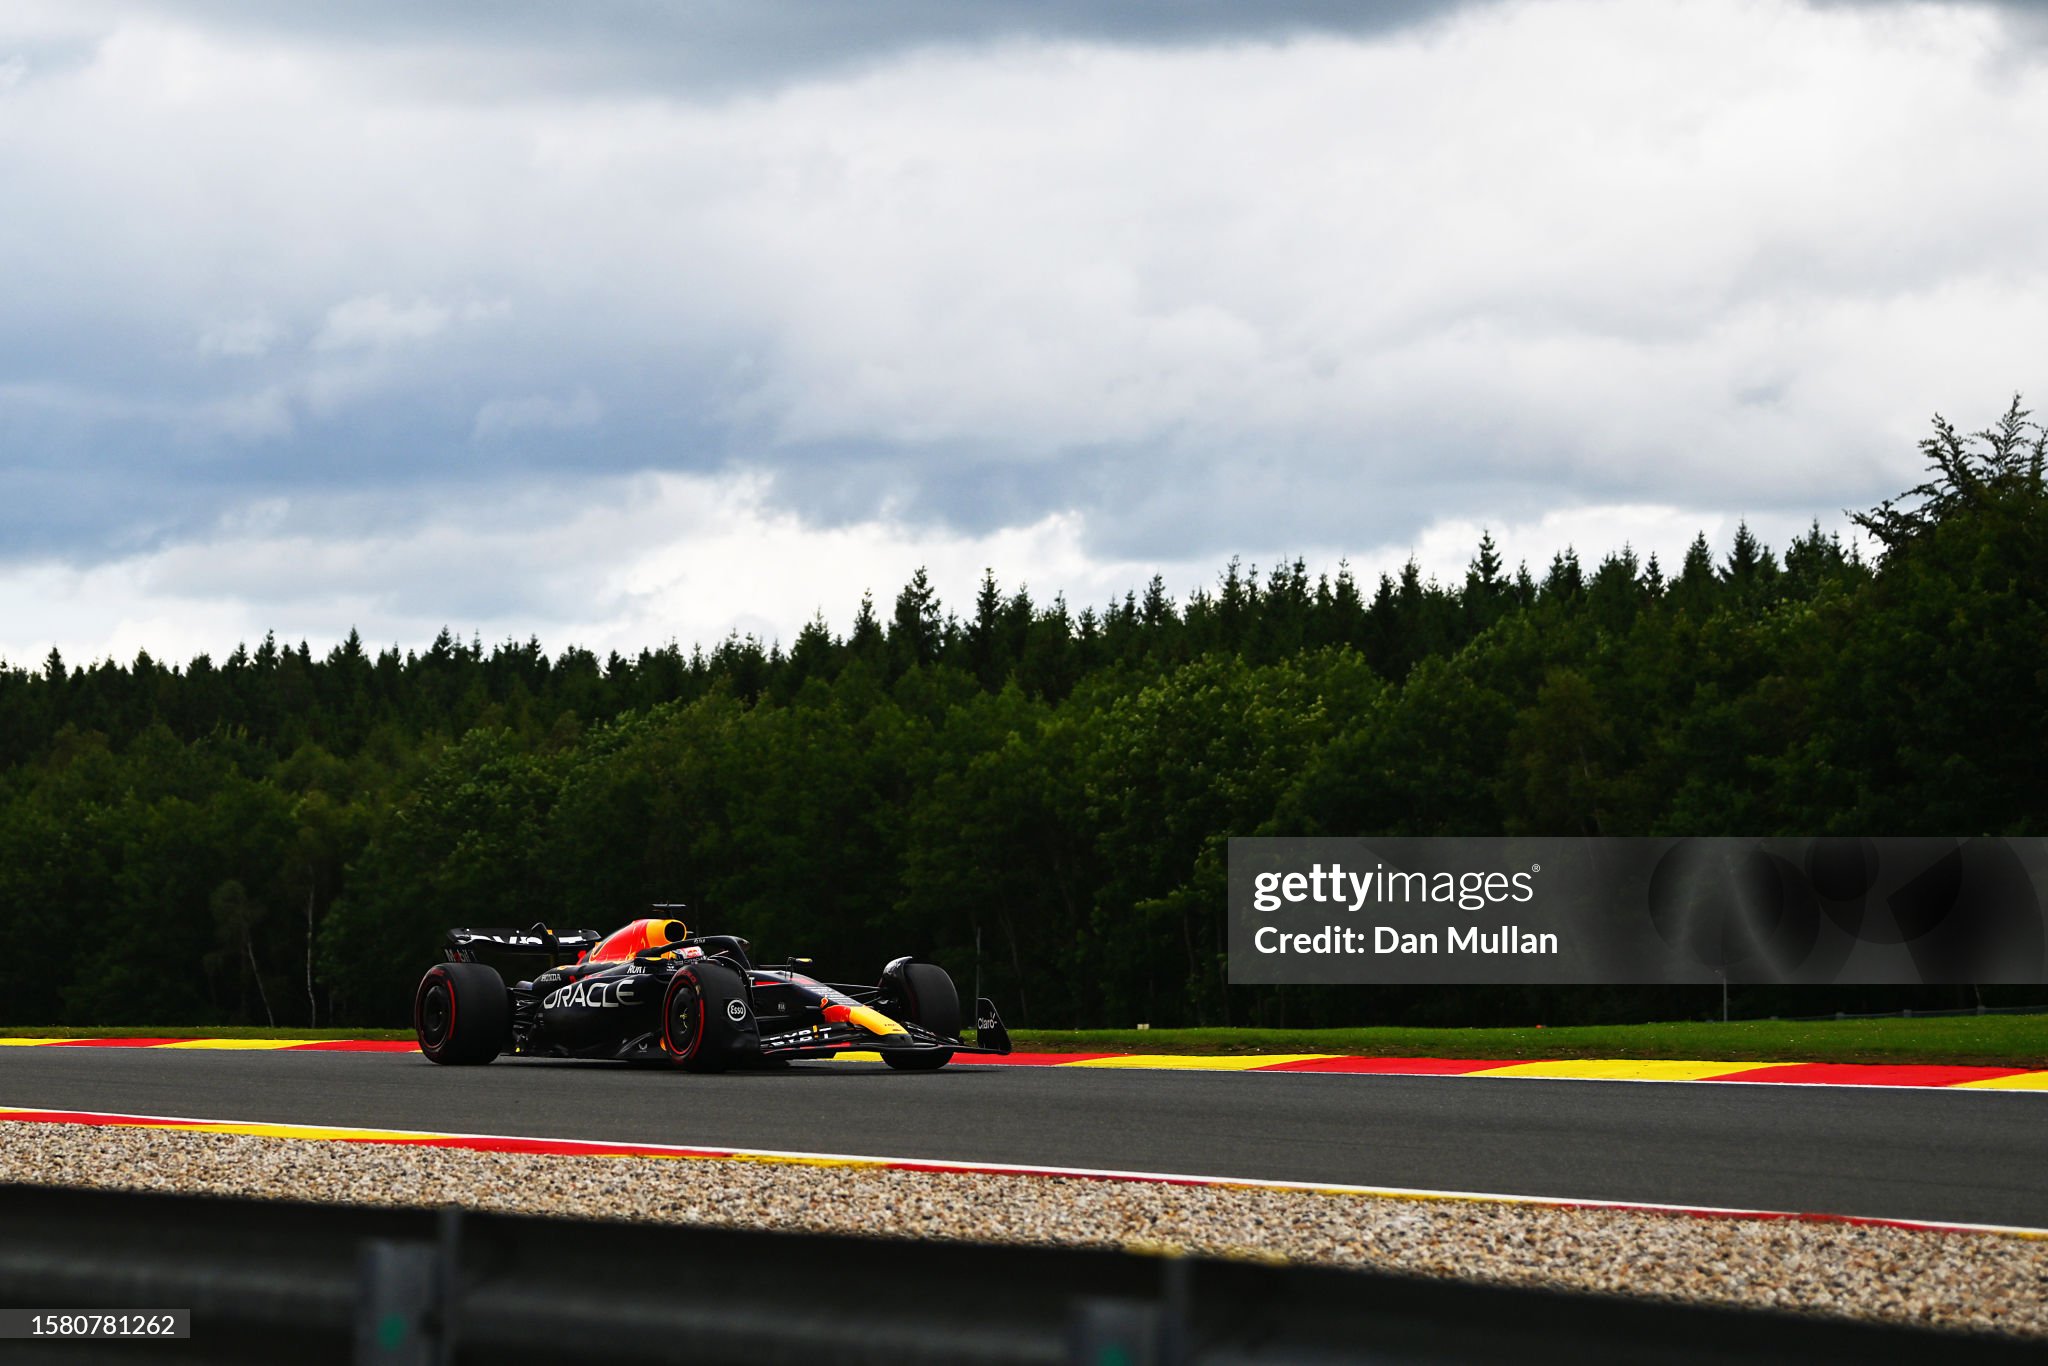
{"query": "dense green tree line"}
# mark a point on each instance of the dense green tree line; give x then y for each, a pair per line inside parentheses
(280, 836)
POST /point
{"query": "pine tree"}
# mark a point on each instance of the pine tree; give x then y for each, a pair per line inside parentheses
(814, 653)
(984, 660)
(1752, 571)
(914, 630)
(1695, 591)
(866, 643)
(1485, 597)
(1347, 610)
(1814, 559)
(1565, 581)
(1158, 609)
(1616, 592)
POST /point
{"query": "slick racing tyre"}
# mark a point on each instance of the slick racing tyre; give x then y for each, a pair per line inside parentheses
(462, 1013)
(707, 1020)
(926, 998)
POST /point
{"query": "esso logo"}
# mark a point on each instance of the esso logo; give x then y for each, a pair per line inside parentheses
(693, 952)
(735, 1011)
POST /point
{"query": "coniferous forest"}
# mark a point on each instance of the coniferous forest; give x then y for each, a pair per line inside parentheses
(276, 836)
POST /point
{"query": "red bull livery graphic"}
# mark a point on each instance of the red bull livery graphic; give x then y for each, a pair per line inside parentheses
(651, 991)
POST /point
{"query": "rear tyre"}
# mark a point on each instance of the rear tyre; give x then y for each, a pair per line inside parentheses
(929, 1001)
(462, 1014)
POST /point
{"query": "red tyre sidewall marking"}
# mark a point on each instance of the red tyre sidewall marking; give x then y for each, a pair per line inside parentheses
(668, 999)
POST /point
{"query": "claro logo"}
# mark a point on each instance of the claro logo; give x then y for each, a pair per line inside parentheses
(595, 995)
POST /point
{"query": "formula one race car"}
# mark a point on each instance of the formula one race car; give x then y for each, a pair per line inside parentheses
(653, 992)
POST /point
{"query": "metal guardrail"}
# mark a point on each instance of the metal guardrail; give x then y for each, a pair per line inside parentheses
(276, 1281)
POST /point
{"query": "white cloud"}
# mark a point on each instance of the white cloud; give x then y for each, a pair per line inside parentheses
(1445, 549)
(637, 562)
(630, 563)
(374, 321)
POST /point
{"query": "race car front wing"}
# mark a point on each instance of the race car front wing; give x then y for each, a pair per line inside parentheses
(828, 1040)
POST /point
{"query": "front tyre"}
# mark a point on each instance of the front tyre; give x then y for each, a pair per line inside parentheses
(462, 1014)
(926, 998)
(707, 1021)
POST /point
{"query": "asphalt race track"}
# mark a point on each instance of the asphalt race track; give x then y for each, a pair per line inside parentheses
(1971, 1157)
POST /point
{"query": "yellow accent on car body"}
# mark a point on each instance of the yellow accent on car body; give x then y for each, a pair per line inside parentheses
(874, 1021)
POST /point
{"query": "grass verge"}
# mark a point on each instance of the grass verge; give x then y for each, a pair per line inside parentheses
(1981, 1040)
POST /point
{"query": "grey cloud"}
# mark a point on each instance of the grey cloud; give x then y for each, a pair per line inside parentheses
(2006, 6)
(2025, 22)
(482, 47)
(1169, 300)
(539, 412)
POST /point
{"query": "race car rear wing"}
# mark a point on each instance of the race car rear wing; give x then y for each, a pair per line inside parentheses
(540, 942)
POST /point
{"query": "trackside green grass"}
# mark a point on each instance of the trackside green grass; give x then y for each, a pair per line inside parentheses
(1981, 1040)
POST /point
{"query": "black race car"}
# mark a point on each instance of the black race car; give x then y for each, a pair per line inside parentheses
(653, 992)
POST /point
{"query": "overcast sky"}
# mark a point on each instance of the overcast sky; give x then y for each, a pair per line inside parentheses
(613, 323)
